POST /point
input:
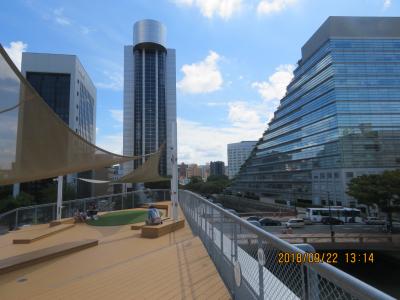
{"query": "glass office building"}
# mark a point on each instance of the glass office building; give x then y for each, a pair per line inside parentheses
(149, 94)
(339, 119)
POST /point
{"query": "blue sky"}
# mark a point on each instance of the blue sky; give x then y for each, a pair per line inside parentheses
(234, 57)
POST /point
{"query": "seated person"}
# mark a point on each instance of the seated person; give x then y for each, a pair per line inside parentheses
(92, 211)
(80, 216)
(153, 216)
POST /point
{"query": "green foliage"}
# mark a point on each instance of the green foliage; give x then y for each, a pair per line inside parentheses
(378, 189)
(214, 185)
(49, 194)
(217, 178)
(196, 179)
(9, 203)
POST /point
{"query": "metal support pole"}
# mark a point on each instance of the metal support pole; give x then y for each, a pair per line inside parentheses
(174, 170)
(16, 218)
(59, 196)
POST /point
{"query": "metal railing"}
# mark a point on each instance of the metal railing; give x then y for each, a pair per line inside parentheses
(247, 259)
(45, 213)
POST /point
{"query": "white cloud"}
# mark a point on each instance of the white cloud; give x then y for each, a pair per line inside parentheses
(117, 115)
(266, 7)
(59, 17)
(225, 9)
(275, 86)
(199, 143)
(387, 3)
(114, 81)
(202, 77)
(15, 52)
(112, 142)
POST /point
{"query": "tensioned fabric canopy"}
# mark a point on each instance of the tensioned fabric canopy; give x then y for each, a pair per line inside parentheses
(36, 144)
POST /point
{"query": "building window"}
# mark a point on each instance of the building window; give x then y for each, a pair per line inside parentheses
(349, 174)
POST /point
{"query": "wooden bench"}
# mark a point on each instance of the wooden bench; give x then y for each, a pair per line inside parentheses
(27, 259)
(62, 221)
(153, 231)
(32, 236)
(138, 226)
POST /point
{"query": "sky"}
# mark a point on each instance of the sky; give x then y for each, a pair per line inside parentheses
(234, 57)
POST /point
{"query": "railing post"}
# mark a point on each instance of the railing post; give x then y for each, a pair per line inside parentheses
(16, 218)
(222, 237)
(122, 202)
(260, 273)
(35, 216)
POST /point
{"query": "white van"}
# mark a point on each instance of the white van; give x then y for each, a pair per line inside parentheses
(295, 223)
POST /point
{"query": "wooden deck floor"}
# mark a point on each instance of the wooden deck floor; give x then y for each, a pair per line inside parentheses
(122, 266)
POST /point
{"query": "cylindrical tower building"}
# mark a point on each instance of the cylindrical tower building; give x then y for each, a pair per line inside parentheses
(149, 93)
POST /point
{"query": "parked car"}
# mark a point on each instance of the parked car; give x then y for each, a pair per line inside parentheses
(374, 221)
(232, 211)
(253, 218)
(255, 223)
(295, 223)
(308, 221)
(330, 220)
(269, 222)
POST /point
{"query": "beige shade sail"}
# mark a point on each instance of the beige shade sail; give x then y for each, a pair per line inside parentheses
(34, 142)
(147, 172)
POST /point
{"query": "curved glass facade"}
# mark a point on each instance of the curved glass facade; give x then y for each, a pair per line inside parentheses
(340, 118)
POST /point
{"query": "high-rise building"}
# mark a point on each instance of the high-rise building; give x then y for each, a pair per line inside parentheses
(149, 94)
(63, 83)
(237, 155)
(217, 168)
(340, 117)
(205, 171)
(182, 171)
(193, 170)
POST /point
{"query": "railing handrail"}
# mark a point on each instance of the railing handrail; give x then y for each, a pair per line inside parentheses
(77, 200)
(345, 281)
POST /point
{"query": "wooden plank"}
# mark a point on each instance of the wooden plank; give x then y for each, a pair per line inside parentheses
(31, 237)
(27, 259)
(153, 231)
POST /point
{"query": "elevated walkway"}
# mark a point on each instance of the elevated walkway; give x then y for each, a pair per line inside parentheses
(123, 266)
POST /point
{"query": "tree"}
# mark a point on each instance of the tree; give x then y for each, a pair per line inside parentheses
(49, 194)
(9, 203)
(380, 189)
(196, 179)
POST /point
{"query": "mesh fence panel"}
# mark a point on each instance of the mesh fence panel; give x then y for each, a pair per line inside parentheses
(247, 260)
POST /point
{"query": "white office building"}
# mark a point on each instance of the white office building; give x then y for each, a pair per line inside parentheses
(63, 83)
(149, 95)
(237, 155)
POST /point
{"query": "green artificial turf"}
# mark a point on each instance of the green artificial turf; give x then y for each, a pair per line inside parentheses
(120, 218)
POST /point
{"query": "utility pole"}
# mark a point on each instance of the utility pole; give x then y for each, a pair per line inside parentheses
(330, 217)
